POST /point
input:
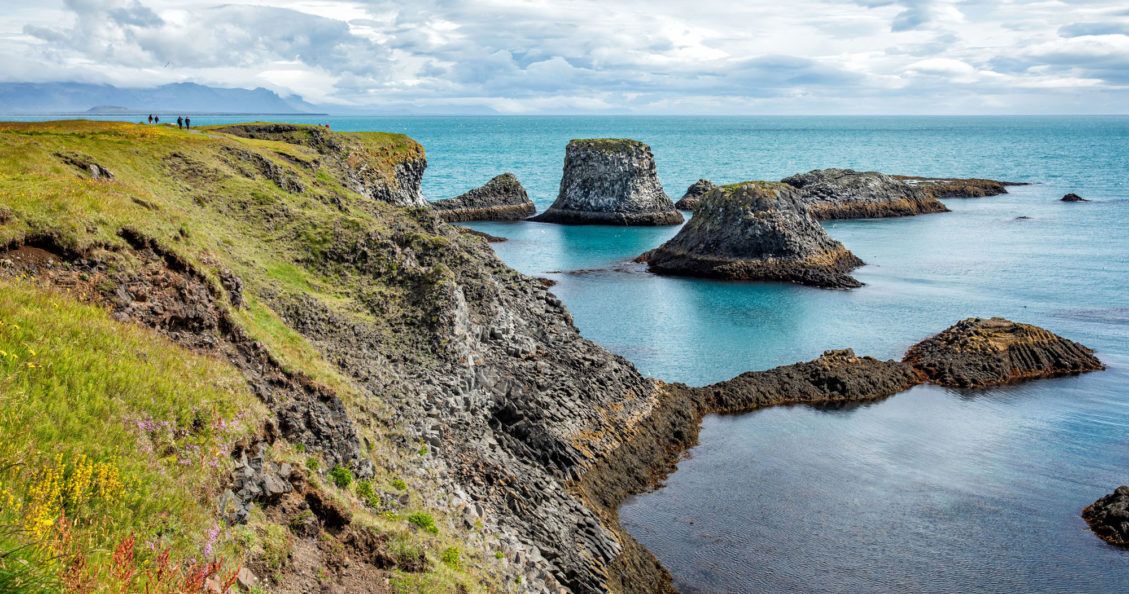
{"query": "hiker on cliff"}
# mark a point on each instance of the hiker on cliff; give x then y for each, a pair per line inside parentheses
(187, 122)
(150, 118)
(180, 122)
(156, 119)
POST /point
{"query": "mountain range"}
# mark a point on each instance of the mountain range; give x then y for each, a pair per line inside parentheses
(74, 98)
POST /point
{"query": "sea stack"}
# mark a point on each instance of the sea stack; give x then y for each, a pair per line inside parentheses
(500, 199)
(756, 231)
(693, 195)
(850, 194)
(981, 353)
(610, 181)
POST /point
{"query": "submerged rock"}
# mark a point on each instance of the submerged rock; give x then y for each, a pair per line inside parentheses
(500, 199)
(610, 181)
(850, 194)
(980, 353)
(693, 195)
(756, 231)
(946, 187)
(1108, 517)
(1072, 197)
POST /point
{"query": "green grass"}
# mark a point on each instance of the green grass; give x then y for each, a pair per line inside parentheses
(77, 386)
(424, 521)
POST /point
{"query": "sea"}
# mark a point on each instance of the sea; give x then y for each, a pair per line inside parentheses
(932, 490)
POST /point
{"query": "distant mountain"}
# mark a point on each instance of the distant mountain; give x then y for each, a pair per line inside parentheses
(64, 97)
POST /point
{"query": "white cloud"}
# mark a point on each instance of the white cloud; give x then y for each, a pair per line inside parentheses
(645, 56)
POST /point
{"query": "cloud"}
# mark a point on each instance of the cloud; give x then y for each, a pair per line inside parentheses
(644, 56)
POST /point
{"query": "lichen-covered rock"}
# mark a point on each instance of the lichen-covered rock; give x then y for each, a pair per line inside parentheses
(980, 353)
(1072, 197)
(756, 231)
(948, 187)
(694, 193)
(850, 194)
(1108, 517)
(500, 199)
(610, 181)
(383, 166)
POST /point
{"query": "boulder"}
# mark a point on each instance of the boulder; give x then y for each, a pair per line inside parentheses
(693, 195)
(1072, 197)
(981, 353)
(500, 199)
(950, 187)
(610, 182)
(756, 231)
(1108, 517)
(850, 194)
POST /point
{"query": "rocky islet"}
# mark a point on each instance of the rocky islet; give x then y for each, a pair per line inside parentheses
(848, 194)
(755, 231)
(501, 199)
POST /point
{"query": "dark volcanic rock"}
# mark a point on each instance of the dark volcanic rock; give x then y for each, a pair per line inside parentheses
(1108, 517)
(1072, 197)
(979, 353)
(850, 194)
(941, 187)
(500, 199)
(694, 193)
(756, 231)
(610, 182)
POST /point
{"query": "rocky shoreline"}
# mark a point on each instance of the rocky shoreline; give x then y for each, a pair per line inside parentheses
(951, 187)
(849, 194)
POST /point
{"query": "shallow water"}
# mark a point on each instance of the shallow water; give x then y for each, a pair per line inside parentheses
(931, 490)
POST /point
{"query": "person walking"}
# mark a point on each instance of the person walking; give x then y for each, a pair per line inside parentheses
(180, 122)
(156, 119)
(150, 118)
(187, 123)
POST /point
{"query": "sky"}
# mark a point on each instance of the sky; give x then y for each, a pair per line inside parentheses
(596, 56)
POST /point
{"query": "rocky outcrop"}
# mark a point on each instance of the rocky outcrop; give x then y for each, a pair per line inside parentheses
(980, 353)
(944, 187)
(694, 194)
(385, 167)
(1072, 197)
(500, 199)
(610, 181)
(1108, 517)
(756, 231)
(850, 194)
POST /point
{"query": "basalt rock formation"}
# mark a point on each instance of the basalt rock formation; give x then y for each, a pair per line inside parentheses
(694, 194)
(610, 181)
(980, 353)
(500, 199)
(850, 194)
(382, 166)
(756, 231)
(1108, 517)
(1072, 197)
(942, 187)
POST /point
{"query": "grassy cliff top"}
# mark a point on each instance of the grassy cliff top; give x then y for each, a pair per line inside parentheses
(74, 382)
(608, 144)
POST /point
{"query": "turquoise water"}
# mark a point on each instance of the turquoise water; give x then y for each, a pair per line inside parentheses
(932, 490)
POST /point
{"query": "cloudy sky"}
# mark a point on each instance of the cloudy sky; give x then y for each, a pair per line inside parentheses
(598, 56)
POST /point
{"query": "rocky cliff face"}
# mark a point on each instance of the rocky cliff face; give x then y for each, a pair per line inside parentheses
(694, 194)
(850, 194)
(979, 353)
(382, 166)
(500, 199)
(756, 231)
(1108, 517)
(610, 182)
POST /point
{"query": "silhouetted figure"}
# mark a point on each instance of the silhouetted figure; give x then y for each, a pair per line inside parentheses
(188, 123)
(150, 118)
(180, 122)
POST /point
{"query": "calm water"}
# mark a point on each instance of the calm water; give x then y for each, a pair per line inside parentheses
(931, 490)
